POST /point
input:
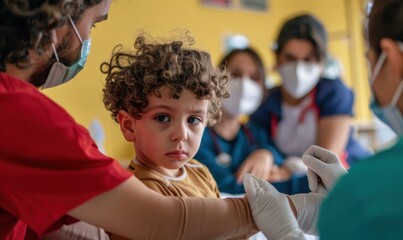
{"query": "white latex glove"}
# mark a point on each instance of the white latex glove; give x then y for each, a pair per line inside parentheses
(271, 210)
(307, 206)
(295, 165)
(324, 168)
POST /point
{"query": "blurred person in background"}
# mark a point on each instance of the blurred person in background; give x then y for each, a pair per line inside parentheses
(232, 147)
(306, 108)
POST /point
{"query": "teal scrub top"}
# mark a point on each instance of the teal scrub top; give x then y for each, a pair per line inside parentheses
(367, 203)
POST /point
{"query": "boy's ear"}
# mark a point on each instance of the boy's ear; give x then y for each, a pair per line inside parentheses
(127, 125)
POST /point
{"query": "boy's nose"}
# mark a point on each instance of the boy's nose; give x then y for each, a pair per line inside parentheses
(179, 133)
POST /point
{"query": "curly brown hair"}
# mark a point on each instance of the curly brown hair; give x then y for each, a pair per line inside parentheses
(27, 24)
(132, 76)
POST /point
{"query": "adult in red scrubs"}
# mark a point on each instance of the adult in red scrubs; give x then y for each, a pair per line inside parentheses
(51, 172)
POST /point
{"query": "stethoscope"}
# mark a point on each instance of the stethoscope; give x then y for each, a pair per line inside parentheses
(222, 158)
(312, 106)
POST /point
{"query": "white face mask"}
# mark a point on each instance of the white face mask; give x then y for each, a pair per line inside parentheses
(245, 98)
(299, 77)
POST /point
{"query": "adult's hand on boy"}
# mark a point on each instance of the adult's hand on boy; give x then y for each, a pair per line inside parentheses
(271, 210)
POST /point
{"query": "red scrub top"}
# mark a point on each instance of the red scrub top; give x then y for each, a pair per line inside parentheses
(48, 163)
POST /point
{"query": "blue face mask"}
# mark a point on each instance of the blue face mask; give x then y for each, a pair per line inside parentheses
(390, 114)
(60, 73)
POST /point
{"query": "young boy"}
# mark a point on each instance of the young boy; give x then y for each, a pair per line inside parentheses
(163, 96)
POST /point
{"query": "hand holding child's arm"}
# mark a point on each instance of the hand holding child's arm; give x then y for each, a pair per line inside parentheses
(271, 210)
(307, 206)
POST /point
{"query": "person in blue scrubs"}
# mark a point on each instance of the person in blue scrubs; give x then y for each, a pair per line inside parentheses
(367, 202)
(231, 148)
(307, 108)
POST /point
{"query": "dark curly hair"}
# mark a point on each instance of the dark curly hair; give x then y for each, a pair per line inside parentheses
(27, 24)
(132, 76)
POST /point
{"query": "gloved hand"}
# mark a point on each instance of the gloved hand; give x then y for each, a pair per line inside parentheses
(324, 168)
(295, 165)
(271, 210)
(307, 206)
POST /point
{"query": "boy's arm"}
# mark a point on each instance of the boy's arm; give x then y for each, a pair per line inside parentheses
(134, 211)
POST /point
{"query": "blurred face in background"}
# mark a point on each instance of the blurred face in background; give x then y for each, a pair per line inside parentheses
(245, 86)
(299, 68)
(297, 50)
(243, 65)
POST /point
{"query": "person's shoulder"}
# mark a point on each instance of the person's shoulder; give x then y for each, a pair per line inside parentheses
(328, 86)
(371, 190)
(9, 83)
(257, 131)
(273, 94)
(253, 126)
(384, 169)
(334, 97)
(28, 100)
(270, 105)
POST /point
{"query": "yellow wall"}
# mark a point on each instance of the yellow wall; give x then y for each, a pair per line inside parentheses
(161, 18)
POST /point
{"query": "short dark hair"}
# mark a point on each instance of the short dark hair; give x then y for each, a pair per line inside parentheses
(132, 76)
(304, 27)
(385, 21)
(27, 24)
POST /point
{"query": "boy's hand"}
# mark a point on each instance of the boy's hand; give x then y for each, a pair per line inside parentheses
(259, 163)
(324, 168)
(271, 210)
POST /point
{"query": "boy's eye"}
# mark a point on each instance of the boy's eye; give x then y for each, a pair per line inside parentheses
(162, 118)
(194, 120)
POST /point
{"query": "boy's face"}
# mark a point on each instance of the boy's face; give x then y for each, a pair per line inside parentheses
(169, 132)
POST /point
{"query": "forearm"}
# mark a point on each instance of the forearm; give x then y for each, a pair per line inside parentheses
(197, 218)
(134, 211)
(333, 133)
(218, 219)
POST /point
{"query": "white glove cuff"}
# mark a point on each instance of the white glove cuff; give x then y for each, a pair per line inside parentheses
(307, 206)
